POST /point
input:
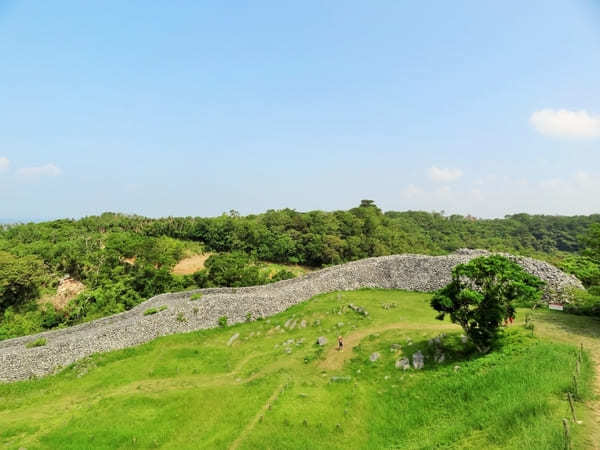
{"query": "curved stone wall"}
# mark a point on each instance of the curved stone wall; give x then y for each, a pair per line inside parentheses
(409, 272)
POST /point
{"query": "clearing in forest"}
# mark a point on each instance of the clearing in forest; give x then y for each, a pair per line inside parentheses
(191, 264)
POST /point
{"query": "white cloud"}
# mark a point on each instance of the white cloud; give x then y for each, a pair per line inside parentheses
(4, 164)
(443, 175)
(566, 124)
(47, 170)
(411, 191)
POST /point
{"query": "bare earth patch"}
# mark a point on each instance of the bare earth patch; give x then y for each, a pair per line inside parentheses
(68, 289)
(190, 265)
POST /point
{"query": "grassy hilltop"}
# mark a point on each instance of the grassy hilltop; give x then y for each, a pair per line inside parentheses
(267, 384)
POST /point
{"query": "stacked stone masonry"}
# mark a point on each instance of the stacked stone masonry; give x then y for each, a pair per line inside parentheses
(409, 272)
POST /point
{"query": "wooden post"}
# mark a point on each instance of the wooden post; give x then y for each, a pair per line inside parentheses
(570, 396)
(575, 386)
(580, 352)
(567, 435)
(578, 367)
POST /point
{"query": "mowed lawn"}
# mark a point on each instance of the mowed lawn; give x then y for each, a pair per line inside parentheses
(274, 387)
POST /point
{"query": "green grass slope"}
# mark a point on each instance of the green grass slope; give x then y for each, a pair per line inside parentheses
(273, 387)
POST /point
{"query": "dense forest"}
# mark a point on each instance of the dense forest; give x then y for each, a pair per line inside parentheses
(123, 259)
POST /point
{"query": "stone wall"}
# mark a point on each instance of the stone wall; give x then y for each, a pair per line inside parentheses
(409, 272)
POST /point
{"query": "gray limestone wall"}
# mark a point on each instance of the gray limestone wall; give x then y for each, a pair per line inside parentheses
(409, 272)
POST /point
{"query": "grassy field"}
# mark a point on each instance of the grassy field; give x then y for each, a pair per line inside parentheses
(273, 387)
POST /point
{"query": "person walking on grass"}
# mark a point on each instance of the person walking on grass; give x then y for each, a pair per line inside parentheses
(340, 344)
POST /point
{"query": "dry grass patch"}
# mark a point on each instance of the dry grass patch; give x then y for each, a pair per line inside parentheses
(190, 264)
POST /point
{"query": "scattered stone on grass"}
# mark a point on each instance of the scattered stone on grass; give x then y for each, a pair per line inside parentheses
(403, 364)
(322, 340)
(374, 356)
(418, 360)
(233, 338)
(340, 379)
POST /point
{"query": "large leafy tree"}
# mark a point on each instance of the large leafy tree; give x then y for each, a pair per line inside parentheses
(20, 279)
(479, 297)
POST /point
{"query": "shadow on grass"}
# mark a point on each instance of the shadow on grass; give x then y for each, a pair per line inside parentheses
(584, 326)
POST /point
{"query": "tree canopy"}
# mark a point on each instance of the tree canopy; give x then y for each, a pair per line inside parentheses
(481, 294)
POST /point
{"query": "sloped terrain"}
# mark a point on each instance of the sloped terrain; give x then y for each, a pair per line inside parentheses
(174, 313)
(267, 384)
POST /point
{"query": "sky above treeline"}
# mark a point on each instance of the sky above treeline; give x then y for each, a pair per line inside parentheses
(196, 108)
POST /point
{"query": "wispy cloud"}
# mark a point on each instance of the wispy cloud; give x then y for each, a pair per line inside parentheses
(4, 164)
(564, 123)
(47, 170)
(443, 175)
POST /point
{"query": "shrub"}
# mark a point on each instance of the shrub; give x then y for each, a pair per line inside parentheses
(283, 274)
(223, 321)
(196, 297)
(584, 304)
(479, 297)
(583, 268)
(180, 317)
(150, 311)
(162, 308)
(37, 343)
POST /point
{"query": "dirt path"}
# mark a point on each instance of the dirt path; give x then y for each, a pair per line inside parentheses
(335, 359)
(235, 444)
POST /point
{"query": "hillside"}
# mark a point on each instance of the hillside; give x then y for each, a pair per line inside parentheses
(123, 260)
(268, 384)
(186, 311)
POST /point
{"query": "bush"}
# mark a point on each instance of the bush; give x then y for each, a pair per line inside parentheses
(283, 274)
(37, 343)
(583, 268)
(584, 304)
(196, 297)
(150, 311)
(233, 270)
(223, 321)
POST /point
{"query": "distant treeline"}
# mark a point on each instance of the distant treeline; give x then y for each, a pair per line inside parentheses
(320, 238)
(125, 259)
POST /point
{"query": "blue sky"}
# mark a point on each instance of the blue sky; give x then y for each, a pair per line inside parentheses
(196, 108)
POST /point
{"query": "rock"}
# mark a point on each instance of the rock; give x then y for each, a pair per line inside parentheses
(340, 379)
(233, 338)
(417, 360)
(322, 340)
(374, 356)
(440, 358)
(403, 364)
(303, 324)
